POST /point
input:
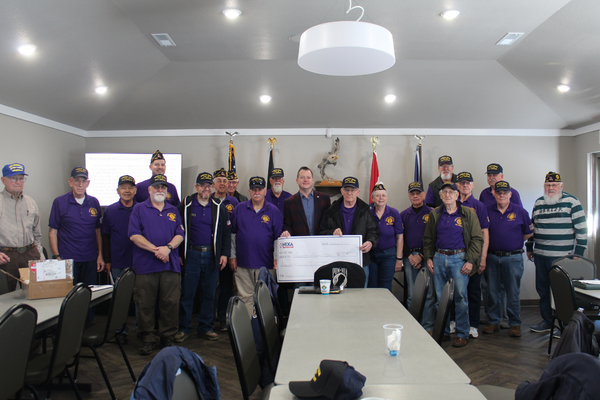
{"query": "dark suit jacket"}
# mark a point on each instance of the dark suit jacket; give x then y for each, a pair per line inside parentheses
(294, 218)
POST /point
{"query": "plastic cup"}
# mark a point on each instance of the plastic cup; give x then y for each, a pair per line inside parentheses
(393, 338)
(325, 286)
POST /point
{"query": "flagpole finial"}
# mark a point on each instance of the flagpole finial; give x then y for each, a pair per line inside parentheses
(420, 138)
(271, 142)
(375, 142)
(231, 135)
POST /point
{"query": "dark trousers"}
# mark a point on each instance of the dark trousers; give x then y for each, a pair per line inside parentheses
(18, 260)
(86, 272)
(225, 291)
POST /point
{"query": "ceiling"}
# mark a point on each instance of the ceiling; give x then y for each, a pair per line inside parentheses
(448, 74)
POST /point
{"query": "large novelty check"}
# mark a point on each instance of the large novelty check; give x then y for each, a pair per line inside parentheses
(298, 257)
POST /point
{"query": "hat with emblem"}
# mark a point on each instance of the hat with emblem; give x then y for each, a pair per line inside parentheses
(13, 169)
(464, 176)
(378, 186)
(335, 380)
(231, 176)
(204, 177)
(157, 156)
(350, 181)
(257, 182)
(126, 179)
(450, 185)
(220, 173)
(494, 169)
(79, 172)
(275, 172)
(415, 186)
(502, 186)
(444, 160)
(552, 177)
(158, 179)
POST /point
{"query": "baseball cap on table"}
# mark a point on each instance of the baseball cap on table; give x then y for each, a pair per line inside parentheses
(464, 176)
(13, 169)
(158, 179)
(552, 177)
(450, 185)
(220, 173)
(204, 177)
(231, 176)
(415, 186)
(157, 156)
(79, 172)
(378, 186)
(335, 380)
(275, 172)
(126, 179)
(257, 182)
(444, 160)
(494, 169)
(502, 185)
(350, 181)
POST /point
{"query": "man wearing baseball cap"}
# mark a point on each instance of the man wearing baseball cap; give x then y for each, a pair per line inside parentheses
(158, 165)
(20, 232)
(277, 195)
(495, 173)
(446, 168)
(232, 185)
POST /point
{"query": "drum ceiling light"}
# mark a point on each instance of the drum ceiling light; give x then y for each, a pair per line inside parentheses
(346, 48)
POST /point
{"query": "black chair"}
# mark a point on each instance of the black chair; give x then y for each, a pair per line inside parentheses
(441, 319)
(580, 268)
(341, 273)
(97, 334)
(17, 326)
(266, 321)
(417, 302)
(3, 283)
(244, 348)
(184, 387)
(67, 341)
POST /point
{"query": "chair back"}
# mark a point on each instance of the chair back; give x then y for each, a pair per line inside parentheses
(563, 293)
(184, 387)
(417, 302)
(243, 346)
(3, 283)
(443, 311)
(69, 329)
(119, 303)
(266, 321)
(17, 326)
(341, 273)
(577, 268)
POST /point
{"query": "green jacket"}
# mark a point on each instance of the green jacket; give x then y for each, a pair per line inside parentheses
(472, 235)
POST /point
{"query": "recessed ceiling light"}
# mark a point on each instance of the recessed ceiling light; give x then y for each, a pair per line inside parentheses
(390, 98)
(563, 88)
(265, 98)
(450, 14)
(101, 89)
(232, 13)
(27, 49)
(509, 38)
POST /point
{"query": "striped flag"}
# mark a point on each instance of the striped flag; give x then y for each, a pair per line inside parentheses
(232, 158)
(374, 172)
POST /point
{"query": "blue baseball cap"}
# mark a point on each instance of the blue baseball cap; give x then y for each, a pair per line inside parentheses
(335, 380)
(13, 169)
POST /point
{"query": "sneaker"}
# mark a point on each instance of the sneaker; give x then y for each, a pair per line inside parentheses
(504, 325)
(541, 327)
(147, 348)
(166, 342)
(460, 342)
(515, 331)
(556, 334)
(180, 337)
(473, 333)
(210, 335)
(491, 328)
(452, 327)
(222, 326)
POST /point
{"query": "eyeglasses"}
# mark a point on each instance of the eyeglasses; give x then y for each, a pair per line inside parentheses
(80, 181)
(205, 186)
(256, 190)
(447, 192)
(17, 178)
(349, 189)
(219, 181)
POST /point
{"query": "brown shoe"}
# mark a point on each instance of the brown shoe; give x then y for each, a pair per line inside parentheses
(515, 331)
(430, 332)
(490, 328)
(460, 342)
(210, 335)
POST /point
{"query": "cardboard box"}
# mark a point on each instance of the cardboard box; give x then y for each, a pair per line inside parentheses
(45, 289)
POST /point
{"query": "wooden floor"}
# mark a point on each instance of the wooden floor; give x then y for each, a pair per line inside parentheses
(495, 359)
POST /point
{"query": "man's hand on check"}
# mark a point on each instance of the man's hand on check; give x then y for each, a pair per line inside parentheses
(338, 232)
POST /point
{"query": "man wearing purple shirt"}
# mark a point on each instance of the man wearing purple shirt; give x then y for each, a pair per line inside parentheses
(495, 173)
(158, 165)
(255, 226)
(277, 195)
(156, 230)
(510, 226)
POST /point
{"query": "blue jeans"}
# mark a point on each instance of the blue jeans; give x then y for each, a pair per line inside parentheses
(410, 272)
(444, 268)
(85, 271)
(504, 271)
(382, 268)
(542, 284)
(199, 267)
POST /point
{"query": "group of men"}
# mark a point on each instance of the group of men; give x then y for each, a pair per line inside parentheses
(218, 238)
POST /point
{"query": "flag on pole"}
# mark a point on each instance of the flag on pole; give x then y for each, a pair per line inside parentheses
(418, 166)
(232, 158)
(270, 168)
(374, 173)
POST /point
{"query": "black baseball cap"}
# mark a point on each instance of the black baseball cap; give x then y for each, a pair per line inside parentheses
(415, 186)
(158, 179)
(257, 182)
(464, 176)
(502, 185)
(444, 160)
(277, 172)
(494, 169)
(204, 177)
(335, 380)
(126, 179)
(450, 185)
(79, 172)
(350, 181)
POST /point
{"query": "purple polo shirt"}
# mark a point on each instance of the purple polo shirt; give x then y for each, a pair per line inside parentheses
(255, 234)
(142, 193)
(200, 224)
(450, 231)
(487, 198)
(414, 226)
(348, 216)
(159, 228)
(390, 225)
(115, 224)
(480, 210)
(507, 230)
(230, 203)
(277, 201)
(76, 225)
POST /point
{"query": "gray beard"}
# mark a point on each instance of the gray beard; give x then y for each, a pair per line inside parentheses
(446, 177)
(159, 198)
(277, 188)
(552, 200)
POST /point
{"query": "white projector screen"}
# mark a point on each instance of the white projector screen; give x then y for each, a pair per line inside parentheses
(106, 168)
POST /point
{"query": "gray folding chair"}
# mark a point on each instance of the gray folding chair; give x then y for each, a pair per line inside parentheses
(417, 302)
(577, 268)
(184, 387)
(443, 311)
(266, 321)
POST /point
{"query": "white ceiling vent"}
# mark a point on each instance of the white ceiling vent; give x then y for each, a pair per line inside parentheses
(163, 39)
(509, 38)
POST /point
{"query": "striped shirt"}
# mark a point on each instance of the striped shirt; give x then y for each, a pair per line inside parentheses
(559, 227)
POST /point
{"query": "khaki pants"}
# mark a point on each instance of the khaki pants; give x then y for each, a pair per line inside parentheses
(18, 260)
(245, 280)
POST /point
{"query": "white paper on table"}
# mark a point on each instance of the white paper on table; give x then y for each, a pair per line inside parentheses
(51, 270)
